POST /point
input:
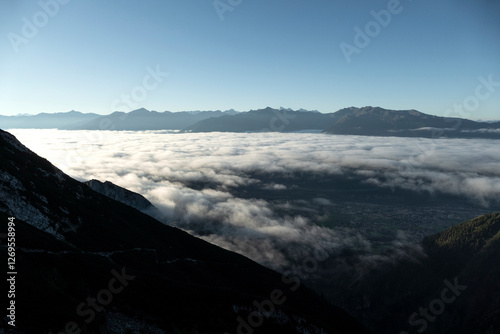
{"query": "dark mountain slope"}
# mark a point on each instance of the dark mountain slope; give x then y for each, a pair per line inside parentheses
(125, 196)
(375, 121)
(463, 260)
(72, 241)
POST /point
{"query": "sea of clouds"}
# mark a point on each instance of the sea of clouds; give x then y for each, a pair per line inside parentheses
(162, 164)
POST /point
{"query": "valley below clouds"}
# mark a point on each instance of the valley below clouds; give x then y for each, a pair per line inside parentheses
(278, 198)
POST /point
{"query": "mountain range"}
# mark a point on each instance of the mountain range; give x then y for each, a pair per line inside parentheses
(371, 121)
(46, 120)
(87, 263)
(375, 121)
(268, 119)
(367, 121)
(142, 119)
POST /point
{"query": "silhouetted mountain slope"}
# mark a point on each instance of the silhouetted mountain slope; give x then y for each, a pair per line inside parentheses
(142, 119)
(267, 119)
(85, 258)
(45, 121)
(375, 121)
(453, 288)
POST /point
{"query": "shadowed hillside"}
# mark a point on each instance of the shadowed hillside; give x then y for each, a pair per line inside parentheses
(453, 288)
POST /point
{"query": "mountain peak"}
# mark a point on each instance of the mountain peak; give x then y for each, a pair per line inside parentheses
(377, 121)
(140, 111)
(265, 111)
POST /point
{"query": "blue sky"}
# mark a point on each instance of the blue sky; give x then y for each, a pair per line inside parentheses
(90, 55)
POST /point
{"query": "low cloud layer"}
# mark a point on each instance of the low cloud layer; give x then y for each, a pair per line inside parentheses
(170, 170)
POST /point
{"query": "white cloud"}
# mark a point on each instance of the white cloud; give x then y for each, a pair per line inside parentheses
(160, 165)
(482, 131)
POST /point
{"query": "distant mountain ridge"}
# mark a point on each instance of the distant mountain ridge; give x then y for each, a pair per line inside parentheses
(143, 119)
(366, 121)
(45, 120)
(264, 120)
(376, 121)
(140, 119)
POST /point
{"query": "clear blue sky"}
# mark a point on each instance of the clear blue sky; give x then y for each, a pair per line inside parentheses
(264, 53)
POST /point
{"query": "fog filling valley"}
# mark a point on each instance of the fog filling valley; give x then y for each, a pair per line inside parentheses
(244, 191)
